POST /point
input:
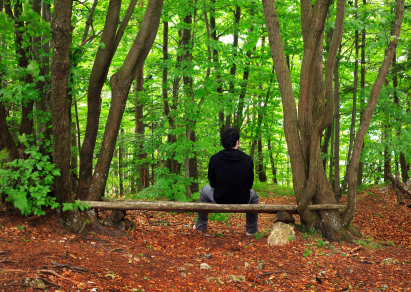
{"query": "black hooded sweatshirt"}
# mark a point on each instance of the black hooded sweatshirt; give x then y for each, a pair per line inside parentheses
(230, 173)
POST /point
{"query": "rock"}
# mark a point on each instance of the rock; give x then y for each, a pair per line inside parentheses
(280, 234)
(285, 217)
(260, 265)
(246, 265)
(204, 266)
(35, 282)
(207, 256)
(236, 279)
(389, 261)
(384, 287)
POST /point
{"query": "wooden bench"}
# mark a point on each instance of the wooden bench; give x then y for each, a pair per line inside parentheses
(203, 207)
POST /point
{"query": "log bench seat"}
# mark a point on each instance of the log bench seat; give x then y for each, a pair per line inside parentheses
(203, 207)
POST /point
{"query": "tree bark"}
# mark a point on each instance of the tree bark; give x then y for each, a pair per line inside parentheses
(109, 43)
(60, 72)
(143, 169)
(303, 134)
(121, 162)
(337, 130)
(261, 169)
(273, 169)
(217, 69)
(23, 53)
(74, 157)
(362, 85)
(120, 85)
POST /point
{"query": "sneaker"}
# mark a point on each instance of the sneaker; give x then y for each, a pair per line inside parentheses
(249, 234)
(195, 229)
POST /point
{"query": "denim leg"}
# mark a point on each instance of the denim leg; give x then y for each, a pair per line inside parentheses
(251, 224)
(206, 196)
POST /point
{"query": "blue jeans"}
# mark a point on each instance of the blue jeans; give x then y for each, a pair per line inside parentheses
(206, 196)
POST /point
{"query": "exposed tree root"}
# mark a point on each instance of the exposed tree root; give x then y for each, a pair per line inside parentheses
(101, 230)
(354, 231)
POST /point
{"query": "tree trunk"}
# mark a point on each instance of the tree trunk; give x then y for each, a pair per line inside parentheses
(261, 169)
(273, 169)
(143, 169)
(303, 133)
(330, 175)
(368, 112)
(217, 68)
(60, 72)
(324, 147)
(74, 157)
(233, 69)
(98, 77)
(23, 53)
(337, 130)
(362, 85)
(121, 162)
(120, 85)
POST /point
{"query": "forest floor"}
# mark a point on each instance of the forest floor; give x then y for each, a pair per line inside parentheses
(166, 253)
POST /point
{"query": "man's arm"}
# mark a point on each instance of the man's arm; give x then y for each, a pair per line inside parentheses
(211, 174)
(251, 174)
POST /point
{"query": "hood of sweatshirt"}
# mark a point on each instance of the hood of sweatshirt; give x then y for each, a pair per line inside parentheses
(231, 155)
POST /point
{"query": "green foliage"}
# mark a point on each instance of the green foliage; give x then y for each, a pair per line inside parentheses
(26, 182)
(265, 189)
(320, 243)
(307, 252)
(369, 243)
(258, 235)
(219, 217)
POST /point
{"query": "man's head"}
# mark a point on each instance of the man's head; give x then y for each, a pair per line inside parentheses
(229, 138)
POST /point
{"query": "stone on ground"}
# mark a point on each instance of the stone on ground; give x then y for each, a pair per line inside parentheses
(281, 234)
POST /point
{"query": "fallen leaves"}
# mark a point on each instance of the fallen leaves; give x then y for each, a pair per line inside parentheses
(168, 257)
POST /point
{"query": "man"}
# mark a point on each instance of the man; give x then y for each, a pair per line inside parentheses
(231, 177)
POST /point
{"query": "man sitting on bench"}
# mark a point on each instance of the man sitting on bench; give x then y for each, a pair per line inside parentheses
(231, 177)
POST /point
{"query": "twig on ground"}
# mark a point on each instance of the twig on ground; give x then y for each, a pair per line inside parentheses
(49, 282)
(20, 285)
(7, 262)
(69, 267)
(264, 274)
(60, 276)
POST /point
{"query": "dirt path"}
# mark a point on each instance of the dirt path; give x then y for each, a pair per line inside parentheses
(166, 254)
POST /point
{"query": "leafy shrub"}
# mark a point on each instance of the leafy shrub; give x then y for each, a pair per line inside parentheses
(26, 182)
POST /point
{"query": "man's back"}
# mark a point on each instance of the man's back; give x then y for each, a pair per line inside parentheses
(231, 175)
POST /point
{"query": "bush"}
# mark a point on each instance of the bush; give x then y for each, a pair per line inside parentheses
(27, 182)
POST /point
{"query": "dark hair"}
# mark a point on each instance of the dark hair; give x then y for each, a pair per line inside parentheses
(229, 137)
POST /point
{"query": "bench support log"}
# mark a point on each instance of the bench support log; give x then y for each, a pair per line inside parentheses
(204, 207)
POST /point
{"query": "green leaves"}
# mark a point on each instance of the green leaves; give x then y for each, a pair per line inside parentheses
(33, 68)
(27, 182)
